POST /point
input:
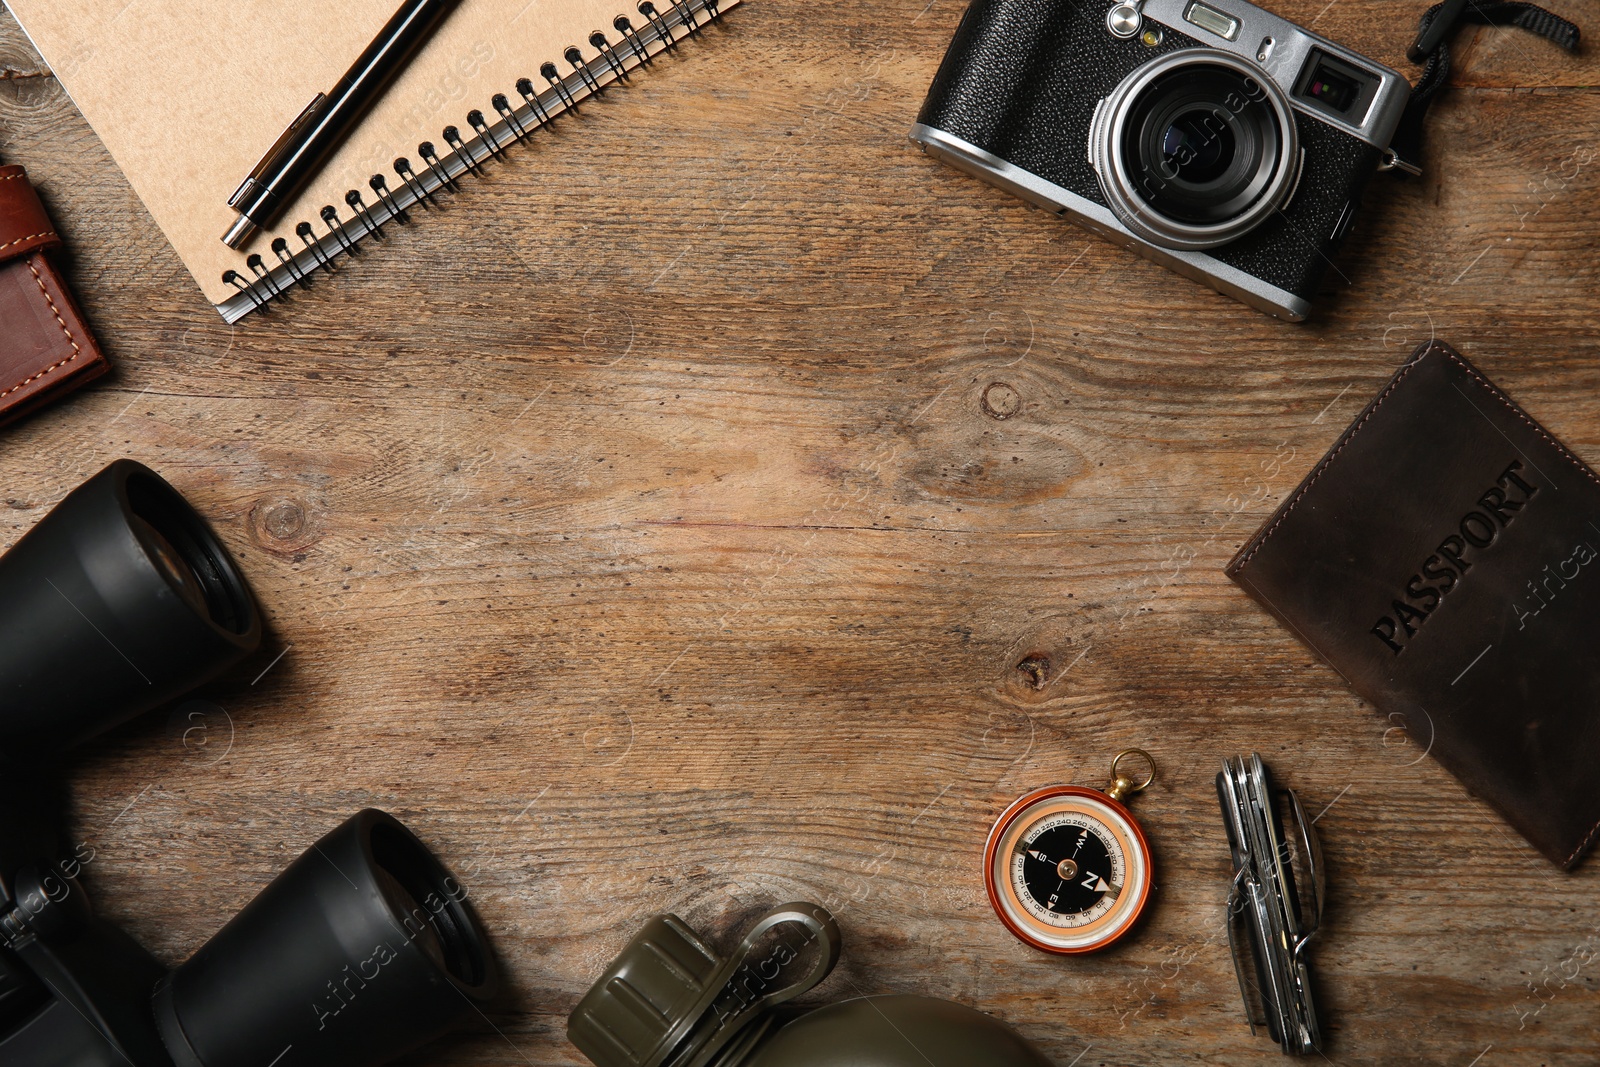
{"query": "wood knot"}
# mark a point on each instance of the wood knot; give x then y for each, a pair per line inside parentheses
(1047, 661)
(284, 520)
(1035, 669)
(283, 526)
(1000, 401)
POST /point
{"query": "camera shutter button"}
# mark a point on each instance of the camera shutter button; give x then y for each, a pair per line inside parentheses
(1124, 20)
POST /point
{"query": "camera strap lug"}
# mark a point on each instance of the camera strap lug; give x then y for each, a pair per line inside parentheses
(1432, 47)
(1391, 161)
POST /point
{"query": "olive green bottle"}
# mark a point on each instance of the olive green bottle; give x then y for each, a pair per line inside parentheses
(670, 1001)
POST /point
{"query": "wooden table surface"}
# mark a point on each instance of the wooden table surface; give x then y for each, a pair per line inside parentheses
(721, 503)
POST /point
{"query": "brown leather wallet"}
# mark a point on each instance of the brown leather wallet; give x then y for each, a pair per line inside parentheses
(46, 349)
(1445, 558)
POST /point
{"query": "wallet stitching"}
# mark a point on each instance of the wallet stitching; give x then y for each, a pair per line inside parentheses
(1583, 846)
(1578, 464)
(1519, 413)
(1588, 839)
(1351, 433)
(31, 236)
(77, 350)
(1348, 437)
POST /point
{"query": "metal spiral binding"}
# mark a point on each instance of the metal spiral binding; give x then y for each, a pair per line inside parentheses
(623, 26)
(303, 231)
(280, 248)
(381, 187)
(559, 84)
(431, 158)
(625, 47)
(420, 194)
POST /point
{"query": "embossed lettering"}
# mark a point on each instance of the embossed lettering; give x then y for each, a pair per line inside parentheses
(1405, 613)
(1507, 475)
(1426, 593)
(1447, 566)
(1451, 548)
(1383, 630)
(1495, 503)
(1479, 539)
(1446, 577)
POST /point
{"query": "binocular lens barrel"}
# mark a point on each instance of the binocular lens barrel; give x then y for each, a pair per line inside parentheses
(363, 949)
(120, 599)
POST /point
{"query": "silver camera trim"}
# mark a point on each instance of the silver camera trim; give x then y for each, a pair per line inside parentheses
(1285, 58)
(1110, 166)
(1025, 185)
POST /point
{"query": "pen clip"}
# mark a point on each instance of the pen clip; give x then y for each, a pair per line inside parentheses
(271, 153)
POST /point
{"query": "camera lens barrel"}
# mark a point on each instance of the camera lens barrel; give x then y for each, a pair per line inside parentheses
(1195, 149)
(363, 949)
(118, 600)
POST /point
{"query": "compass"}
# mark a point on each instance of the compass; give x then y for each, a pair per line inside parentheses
(1067, 867)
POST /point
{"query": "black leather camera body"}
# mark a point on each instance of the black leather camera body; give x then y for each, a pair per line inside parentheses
(1210, 136)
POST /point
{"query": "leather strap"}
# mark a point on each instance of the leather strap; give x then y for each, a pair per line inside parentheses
(1434, 30)
(24, 226)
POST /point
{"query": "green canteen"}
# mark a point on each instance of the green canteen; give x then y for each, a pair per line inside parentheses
(668, 1000)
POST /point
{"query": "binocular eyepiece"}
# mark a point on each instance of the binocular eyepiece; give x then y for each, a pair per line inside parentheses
(366, 947)
(361, 950)
(118, 601)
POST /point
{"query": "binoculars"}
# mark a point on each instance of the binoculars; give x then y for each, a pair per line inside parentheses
(363, 949)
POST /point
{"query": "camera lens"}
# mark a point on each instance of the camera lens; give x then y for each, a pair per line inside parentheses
(1196, 151)
(1200, 144)
(1195, 148)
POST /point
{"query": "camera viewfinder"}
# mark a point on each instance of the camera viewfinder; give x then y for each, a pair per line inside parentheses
(1337, 88)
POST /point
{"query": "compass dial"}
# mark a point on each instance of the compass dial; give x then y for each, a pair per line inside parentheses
(1068, 869)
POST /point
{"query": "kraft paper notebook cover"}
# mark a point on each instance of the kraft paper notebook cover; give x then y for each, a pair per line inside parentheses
(1444, 557)
(188, 94)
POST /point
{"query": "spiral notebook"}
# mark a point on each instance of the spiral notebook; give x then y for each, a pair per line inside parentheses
(188, 94)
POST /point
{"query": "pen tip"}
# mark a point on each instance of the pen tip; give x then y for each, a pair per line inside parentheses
(240, 232)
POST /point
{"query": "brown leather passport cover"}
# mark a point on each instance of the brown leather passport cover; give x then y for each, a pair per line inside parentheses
(45, 347)
(1444, 557)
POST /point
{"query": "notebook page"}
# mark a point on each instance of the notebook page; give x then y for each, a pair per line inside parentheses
(188, 94)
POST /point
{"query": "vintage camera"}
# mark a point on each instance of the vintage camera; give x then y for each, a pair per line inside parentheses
(1210, 136)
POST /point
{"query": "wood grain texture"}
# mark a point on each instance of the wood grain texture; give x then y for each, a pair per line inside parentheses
(659, 525)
